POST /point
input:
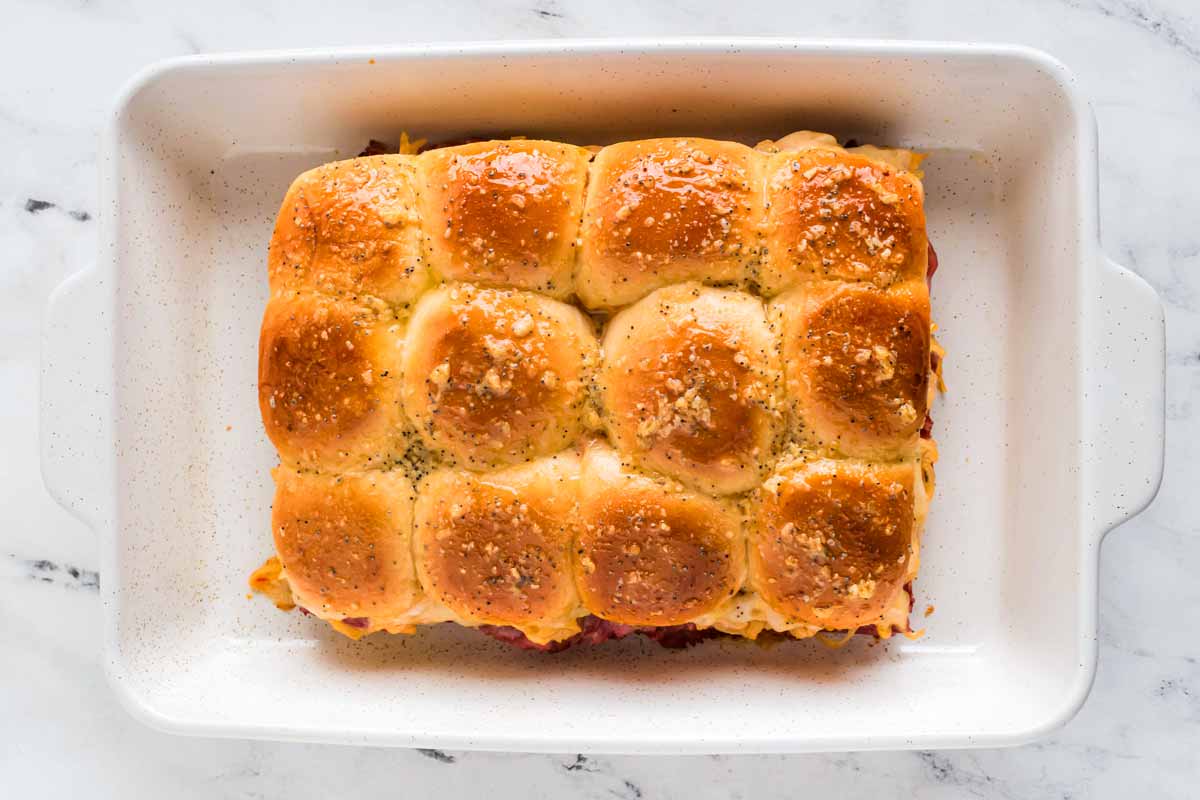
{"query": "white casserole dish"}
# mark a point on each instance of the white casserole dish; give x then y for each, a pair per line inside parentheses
(1052, 432)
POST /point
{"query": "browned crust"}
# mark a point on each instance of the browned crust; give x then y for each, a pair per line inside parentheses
(837, 215)
(496, 376)
(495, 548)
(328, 383)
(351, 228)
(345, 542)
(666, 210)
(693, 387)
(505, 212)
(832, 541)
(649, 553)
(857, 365)
(689, 386)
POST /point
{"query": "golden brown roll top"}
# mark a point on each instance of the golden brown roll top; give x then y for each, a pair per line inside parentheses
(351, 228)
(505, 213)
(689, 386)
(650, 552)
(345, 542)
(699, 386)
(857, 366)
(657, 211)
(833, 543)
(661, 211)
(329, 383)
(496, 548)
(497, 376)
(835, 214)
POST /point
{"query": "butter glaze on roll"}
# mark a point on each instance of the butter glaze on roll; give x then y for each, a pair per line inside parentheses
(690, 381)
(661, 211)
(345, 542)
(496, 548)
(352, 228)
(329, 383)
(857, 366)
(673, 386)
(505, 213)
(834, 542)
(496, 376)
(839, 215)
(651, 552)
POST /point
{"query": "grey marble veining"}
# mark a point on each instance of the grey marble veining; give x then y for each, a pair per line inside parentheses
(62, 732)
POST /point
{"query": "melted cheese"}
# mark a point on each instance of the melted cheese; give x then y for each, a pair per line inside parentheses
(906, 160)
(270, 581)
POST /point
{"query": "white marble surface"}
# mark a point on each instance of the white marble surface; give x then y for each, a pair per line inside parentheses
(61, 731)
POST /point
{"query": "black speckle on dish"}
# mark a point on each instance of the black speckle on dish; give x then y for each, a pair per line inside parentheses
(34, 206)
(81, 216)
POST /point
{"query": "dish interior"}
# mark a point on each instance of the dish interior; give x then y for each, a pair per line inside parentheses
(203, 156)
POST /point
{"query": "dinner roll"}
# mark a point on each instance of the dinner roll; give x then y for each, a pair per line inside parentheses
(345, 542)
(856, 365)
(833, 543)
(504, 213)
(650, 552)
(329, 383)
(497, 376)
(495, 548)
(689, 386)
(833, 214)
(351, 228)
(661, 211)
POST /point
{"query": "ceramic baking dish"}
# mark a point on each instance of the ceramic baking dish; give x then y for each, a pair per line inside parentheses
(1052, 432)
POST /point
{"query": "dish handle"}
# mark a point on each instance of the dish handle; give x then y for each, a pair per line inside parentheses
(1125, 412)
(76, 396)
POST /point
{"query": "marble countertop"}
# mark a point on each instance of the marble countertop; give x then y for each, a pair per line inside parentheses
(61, 730)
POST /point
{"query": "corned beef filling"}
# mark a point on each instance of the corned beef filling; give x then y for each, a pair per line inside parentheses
(927, 428)
(378, 148)
(593, 630)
